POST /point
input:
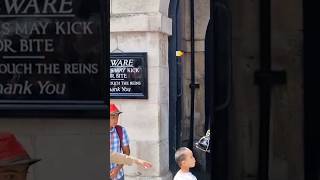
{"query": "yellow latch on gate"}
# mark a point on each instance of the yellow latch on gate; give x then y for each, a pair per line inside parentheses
(179, 53)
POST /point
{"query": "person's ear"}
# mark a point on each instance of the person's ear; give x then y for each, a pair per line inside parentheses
(183, 162)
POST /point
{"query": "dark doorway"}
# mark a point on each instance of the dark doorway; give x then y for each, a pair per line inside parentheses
(311, 90)
(218, 86)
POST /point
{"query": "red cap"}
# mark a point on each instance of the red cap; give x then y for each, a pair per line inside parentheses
(12, 152)
(114, 109)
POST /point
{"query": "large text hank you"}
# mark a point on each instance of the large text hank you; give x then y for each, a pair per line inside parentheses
(38, 47)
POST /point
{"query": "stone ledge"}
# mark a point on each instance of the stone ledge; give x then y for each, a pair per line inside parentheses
(137, 6)
(141, 23)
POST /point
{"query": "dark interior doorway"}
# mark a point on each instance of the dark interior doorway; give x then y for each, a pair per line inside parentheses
(218, 73)
(311, 90)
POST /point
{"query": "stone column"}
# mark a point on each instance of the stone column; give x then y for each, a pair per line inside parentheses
(143, 26)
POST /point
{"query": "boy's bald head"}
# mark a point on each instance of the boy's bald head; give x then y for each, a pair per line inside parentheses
(180, 155)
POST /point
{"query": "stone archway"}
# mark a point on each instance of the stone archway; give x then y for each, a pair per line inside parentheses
(180, 103)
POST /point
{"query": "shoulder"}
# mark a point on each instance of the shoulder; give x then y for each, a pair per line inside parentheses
(120, 127)
(125, 136)
(184, 176)
(177, 176)
(193, 176)
(124, 130)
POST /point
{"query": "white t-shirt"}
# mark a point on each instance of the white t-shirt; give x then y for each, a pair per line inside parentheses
(184, 176)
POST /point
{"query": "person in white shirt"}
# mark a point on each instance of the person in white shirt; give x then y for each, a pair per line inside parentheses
(185, 160)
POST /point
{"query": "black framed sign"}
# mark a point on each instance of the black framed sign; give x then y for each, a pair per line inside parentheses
(128, 76)
(52, 54)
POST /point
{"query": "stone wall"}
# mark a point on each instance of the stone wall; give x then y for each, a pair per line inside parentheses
(143, 26)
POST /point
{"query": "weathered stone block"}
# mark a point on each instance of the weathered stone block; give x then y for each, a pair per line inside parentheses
(141, 23)
(137, 6)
